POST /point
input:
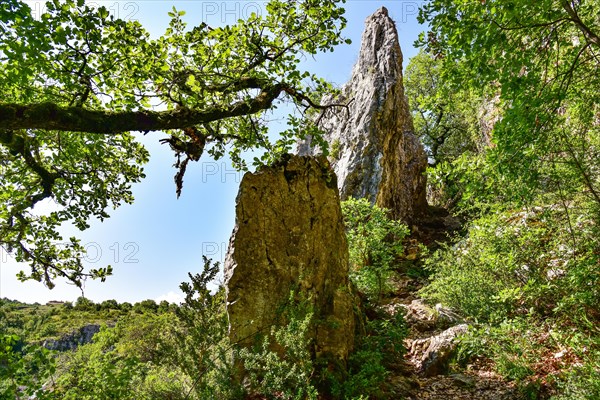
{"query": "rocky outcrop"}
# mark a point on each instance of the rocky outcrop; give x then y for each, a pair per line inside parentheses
(433, 334)
(373, 148)
(289, 235)
(423, 318)
(74, 339)
(430, 355)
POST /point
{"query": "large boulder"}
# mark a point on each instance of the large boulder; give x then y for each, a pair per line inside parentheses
(289, 235)
(373, 148)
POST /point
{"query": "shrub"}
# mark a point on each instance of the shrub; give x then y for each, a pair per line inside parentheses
(512, 345)
(23, 369)
(203, 350)
(374, 241)
(530, 280)
(504, 268)
(582, 382)
(334, 151)
(109, 305)
(143, 306)
(201, 346)
(288, 375)
(124, 362)
(367, 366)
(83, 304)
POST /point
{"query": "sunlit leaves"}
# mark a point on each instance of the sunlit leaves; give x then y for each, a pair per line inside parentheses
(542, 59)
(95, 174)
(77, 56)
(446, 116)
(374, 242)
(24, 369)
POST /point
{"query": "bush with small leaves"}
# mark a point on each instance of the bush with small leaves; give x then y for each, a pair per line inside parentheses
(374, 241)
(24, 369)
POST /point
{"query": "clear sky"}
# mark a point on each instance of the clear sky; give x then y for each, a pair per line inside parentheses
(155, 242)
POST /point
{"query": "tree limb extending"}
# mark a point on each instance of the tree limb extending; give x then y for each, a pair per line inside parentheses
(591, 36)
(51, 116)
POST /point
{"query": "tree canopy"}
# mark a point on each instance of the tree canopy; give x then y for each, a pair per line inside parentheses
(77, 82)
(445, 115)
(525, 268)
(543, 59)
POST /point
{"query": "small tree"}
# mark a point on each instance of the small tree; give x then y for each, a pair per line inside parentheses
(84, 304)
(445, 115)
(145, 306)
(374, 241)
(164, 306)
(109, 305)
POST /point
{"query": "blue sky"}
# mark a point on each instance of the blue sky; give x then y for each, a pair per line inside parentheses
(155, 242)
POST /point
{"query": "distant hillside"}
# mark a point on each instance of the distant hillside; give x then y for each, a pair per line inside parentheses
(36, 323)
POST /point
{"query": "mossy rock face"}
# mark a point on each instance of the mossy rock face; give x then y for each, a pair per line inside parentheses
(290, 234)
(334, 151)
(373, 148)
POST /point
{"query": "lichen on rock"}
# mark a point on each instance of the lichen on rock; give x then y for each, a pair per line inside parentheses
(289, 235)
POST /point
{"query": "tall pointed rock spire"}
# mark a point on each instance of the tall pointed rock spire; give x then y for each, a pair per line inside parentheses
(374, 150)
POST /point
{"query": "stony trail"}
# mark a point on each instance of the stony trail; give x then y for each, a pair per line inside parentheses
(424, 373)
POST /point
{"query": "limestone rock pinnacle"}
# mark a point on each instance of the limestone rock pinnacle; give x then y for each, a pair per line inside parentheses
(373, 149)
(290, 235)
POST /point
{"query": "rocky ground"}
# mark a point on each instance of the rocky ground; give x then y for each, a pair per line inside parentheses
(424, 373)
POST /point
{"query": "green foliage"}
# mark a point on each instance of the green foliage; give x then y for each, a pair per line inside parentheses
(23, 369)
(65, 131)
(524, 350)
(203, 350)
(581, 383)
(184, 352)
(367, 367)
(109, 305)
(374, 242)
(532, 286)
(527, 275)
(145, 306)
(472, 187)
(516, 263)
(513, 349)
(454, 122)
(539, 58)
(93, 373)
(84, 304)
(36, 323)
(124, 362)
(281, 366)
(334, 152)
(201, 344)
(130, 361)
(445, 115)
